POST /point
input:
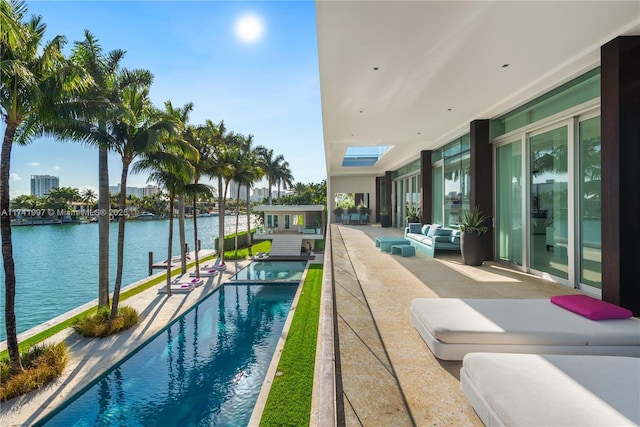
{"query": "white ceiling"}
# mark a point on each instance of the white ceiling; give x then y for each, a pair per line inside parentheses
(441, 66)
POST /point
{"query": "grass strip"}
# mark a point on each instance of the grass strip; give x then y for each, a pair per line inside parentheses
(289, 401)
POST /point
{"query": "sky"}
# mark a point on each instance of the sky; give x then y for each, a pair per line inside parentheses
(252, 64)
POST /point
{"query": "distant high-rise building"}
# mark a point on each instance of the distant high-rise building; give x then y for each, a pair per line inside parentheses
(42, 184)
(233, 191)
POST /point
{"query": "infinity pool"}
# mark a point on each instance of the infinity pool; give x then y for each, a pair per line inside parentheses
(206, 368)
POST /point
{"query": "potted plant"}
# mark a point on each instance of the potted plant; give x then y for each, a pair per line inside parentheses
(364, 213)
(385, 217)
(413, 213)
(472, 239)
(338, 211)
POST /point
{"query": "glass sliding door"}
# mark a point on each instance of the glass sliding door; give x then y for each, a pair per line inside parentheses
(437, 201)
(590, 214)
(509, 202)
(549, 245)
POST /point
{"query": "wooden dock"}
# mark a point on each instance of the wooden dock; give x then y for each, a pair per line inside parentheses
(176, 260)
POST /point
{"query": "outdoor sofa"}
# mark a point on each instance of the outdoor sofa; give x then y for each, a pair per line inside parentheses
(453, 327)
(552, 390)
(431, 237)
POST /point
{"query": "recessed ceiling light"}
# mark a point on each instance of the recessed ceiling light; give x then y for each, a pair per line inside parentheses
(419, 133)
(376, 68)
(505, 65)
(449, 109)
(360, 111)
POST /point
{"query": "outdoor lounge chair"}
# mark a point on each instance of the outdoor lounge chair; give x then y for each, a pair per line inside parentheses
(552, 390)
(453, 327)
(177, 288)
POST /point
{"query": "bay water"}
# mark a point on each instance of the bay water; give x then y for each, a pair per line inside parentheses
(57, 265)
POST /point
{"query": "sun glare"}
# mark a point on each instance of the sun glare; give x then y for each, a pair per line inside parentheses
(249, 28)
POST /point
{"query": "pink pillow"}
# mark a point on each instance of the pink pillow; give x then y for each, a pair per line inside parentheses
(591, 308)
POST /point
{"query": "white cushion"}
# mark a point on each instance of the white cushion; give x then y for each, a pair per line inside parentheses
(552, 390)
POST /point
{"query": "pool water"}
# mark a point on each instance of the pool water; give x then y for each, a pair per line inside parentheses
(271, 271)
(206, 368)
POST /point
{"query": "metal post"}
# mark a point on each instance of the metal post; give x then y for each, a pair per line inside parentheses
(150, 263)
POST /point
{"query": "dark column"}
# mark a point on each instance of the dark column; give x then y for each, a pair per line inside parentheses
(620, 120)
(482, 176)
(377, 210)
(388, 179)
(426, 190)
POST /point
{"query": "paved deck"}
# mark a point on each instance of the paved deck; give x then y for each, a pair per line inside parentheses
(386, 374)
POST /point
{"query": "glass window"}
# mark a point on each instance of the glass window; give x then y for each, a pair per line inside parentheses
(590, 213)
(509, 202)
(287, 223)
(437, 196)
(549, 231)
(452, 191)
(575, 92)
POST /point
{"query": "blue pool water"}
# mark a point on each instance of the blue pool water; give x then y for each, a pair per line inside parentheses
(277, 271)
(207, 368)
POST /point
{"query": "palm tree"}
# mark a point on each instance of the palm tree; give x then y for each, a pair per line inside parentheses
(134, 130)
(247, 172)
(88, 196)
(37, 85)
(202, 166)
(220, 140)
(180, 118)
(169, 168)
(271, 167)
(284, 177)
(92, 129)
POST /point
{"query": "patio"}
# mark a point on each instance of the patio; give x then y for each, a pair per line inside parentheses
(385, 374)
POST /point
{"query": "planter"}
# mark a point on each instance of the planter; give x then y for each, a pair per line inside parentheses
(385, 220)
(472, 247)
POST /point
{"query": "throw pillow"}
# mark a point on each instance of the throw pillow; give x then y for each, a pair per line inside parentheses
(425, 229)
(414, 227)
(590, 307)
(433, 229)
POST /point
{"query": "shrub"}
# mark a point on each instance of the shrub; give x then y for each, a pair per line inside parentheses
(42, 364)
(99, 325)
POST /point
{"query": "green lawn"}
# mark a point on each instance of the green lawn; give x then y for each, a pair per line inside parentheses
(289, 401)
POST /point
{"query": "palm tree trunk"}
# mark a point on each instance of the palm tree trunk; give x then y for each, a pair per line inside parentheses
(237, 218)
(7, 250)
(221, 209)
(122, 206)
(249, 236)
(183, 238)
(169, 254)
(104, 204)
(270, 198)
(195, 236)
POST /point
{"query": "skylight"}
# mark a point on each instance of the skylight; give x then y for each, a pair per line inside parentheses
(363, 155)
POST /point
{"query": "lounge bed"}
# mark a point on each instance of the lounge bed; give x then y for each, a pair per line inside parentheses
(177, 288)
(453, 327)
(552, 390)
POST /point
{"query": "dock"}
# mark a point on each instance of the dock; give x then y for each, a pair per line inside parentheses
(176, 260)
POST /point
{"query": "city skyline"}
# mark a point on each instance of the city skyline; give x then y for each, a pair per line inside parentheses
(252, 64)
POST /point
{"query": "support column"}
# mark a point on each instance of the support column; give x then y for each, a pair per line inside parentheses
(620, 107)
(482, 177)
(376, 211)
(426, 187)
(388, 179)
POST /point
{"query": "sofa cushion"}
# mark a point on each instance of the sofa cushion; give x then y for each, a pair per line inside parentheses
(443, 231)
(433, 229)
(414, 227)
(425, 229)
(591, 308)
